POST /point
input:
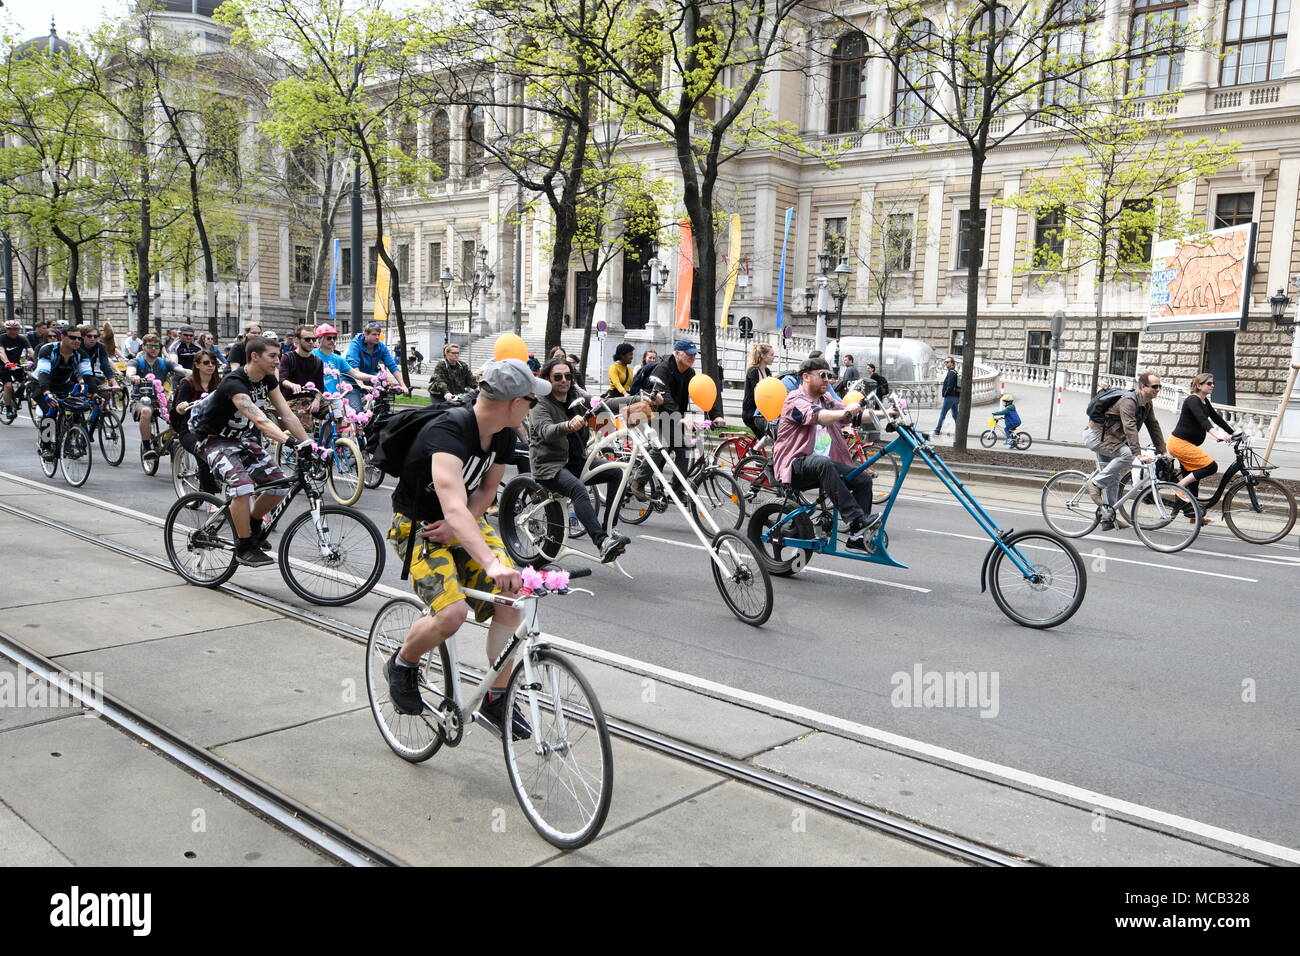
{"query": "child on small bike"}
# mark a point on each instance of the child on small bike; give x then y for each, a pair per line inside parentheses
(1010, 418)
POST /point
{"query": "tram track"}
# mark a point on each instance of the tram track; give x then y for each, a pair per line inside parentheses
(346, 847)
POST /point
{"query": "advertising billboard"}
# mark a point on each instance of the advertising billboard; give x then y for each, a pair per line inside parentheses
(1202, 284)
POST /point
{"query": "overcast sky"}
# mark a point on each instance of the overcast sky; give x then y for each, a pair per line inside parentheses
(29, 18)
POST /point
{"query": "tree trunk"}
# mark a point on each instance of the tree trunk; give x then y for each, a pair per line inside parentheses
(880, 345)
(586, 336)
(395, 278)
(973, 266)
(325, 246)
(561, 252)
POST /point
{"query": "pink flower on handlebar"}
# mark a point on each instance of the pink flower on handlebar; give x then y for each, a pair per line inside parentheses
(532, 579)
(556, 580)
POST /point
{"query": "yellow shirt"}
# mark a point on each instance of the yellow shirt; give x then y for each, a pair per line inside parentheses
(620, 378)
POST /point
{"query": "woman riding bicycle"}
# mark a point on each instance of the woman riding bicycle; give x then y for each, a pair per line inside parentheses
(557, 445)
(1197, 419)
(204, 378)
(760, 358)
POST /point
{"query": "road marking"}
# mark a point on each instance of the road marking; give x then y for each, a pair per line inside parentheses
(807, 570)
(1084, 554)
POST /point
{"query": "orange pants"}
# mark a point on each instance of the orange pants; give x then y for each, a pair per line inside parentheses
(1192, 457)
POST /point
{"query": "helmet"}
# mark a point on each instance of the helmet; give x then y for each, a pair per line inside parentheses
(1008, 397)
(326, 329)
(12, 324)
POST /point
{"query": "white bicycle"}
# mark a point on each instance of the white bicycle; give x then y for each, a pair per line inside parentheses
(562, 771)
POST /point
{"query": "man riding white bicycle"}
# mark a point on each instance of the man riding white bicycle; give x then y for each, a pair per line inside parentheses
(1112, 436)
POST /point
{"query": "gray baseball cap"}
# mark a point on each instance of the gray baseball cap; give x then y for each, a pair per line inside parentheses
(509, 379)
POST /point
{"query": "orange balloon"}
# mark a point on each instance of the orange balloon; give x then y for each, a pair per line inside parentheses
(704, 392)
(854, 398)
(769, 396)
(510, 346)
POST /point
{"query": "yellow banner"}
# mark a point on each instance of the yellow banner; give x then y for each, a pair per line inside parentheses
(733, 268)
(382, 280)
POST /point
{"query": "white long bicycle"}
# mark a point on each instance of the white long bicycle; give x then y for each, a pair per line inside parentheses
(562, 770)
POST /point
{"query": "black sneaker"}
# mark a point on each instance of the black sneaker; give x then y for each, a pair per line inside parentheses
(494, 712)
(612, 547)
(404, 686)
(262, 539)
(251, 556)
(46, 451)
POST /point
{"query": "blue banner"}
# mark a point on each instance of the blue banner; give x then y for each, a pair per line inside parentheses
(780, 281)
(334, 282)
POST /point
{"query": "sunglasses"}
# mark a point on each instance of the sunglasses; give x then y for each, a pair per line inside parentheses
(73, 338)
(561, 377)
(307, 338)
(327, 338)
(824, 376)
(205, 362)
(152, 345)
(1155, 388)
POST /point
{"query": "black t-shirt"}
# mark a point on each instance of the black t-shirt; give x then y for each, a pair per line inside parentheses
(302, 371)
(215, 416)
(185, 353)
(14, 347)
(236, 355)
(455, 432)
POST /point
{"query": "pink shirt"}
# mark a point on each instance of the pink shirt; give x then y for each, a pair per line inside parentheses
(795, 439)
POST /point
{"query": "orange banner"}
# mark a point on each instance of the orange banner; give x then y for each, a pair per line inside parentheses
(685, 275)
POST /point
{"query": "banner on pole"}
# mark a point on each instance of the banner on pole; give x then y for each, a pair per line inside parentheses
(780, 281)
(685, 276)
(334, 283)
(382, 280)
(733, 268)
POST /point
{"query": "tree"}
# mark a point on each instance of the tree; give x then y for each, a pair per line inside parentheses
(1105, 205)
(985, 70)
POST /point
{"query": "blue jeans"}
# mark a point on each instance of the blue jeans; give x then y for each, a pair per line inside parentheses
(949, 405)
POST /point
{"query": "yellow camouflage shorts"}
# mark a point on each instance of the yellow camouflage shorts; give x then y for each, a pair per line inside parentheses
(439, 570)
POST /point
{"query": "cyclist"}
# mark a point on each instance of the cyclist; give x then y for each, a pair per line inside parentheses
(450, 376)
(102, 371)
(557, 447)
(17, 352)
(367, 353)
(204, 378)
(1195, 422)
(1010, 418)
(60, 366)
(1115, 441)
(670, 384)
(225, 423)
(149, 362)
(464, 451)
(236, 357)
(299, 369)
(187, 348)
(811, 451)
(39, 335)
(337, 368)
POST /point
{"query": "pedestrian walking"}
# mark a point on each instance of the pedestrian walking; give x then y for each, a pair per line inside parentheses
(951, 394)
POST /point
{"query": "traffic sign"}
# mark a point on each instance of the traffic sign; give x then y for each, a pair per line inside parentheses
(746, 327)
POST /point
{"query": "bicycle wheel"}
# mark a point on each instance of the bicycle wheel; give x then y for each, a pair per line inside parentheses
(531, 522)
(988, 438)
(778, 558)
(1260, 515)
(1023, 441)
(200, 540)
(720, 494)
(75, 455)
(285, 459)
(112, 441)
(729, 454)
(8, 412)
(1054, 592)
(344, 479)
(185, 471)
(48, 465)
(374, 475)
(1167, 517)
(333, 563)
(1067, 508)
(413, 737)
(886, 468)
(563, 775)
(117, 404)
(149, 454)
(742, 579)
(632, 509)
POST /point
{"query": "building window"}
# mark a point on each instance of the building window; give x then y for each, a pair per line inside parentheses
(440, 145)
(1049, 244)
(474, 138)
(468, 262)
(403, 262)
(1158, 25)
(374, 263)
(1124, 354)
(302, 264)
(1254, 41)
(407, 144)
(345, 265)
(893, 333)
(434, 268)
(1038, 348)
(964, 237)
(1070, 43)
(914, 80)
(835, 236)
(848, 84)
(899, 232)
(1233, 209)
(1136, 231)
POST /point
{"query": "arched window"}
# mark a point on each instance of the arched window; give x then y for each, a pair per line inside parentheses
(1157, 64)
(914, 79)
(475, 130)
(990, 27)
(1254, 41)
(649, 46)
(1070, 44)
(408, 143)
(440, 145)
(848, 84)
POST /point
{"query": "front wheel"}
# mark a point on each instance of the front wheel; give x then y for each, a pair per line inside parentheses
(1051, 591)
(531, 522)
(75, 455)
(8, 412)
(112, 441)
(887, 468)
(741, 575)
(1166, 516)
(636, 510)
(1262, 514)
(150, 452)
(563, 771)
(344, 479)
(413, 737)
(988, 438)
(1067, 506)
(200, 540)
(331, 556)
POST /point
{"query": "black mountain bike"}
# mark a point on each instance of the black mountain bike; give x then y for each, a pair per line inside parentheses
(1257, 508)
(330, 555)
(69, 449)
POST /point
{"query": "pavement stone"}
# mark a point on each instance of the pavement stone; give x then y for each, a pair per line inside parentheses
(19, 693)
(20, 845)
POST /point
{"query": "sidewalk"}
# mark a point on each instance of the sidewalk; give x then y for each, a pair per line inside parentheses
(287, 702)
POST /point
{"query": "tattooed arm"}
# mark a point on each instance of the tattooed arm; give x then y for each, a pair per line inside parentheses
(244, 402)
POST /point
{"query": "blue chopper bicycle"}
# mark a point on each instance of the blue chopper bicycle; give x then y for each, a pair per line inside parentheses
(1036, 577)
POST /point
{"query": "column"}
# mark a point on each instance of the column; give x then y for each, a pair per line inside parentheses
(286, 260)
(1199, 62)
(1282, 248)
(934, 251)
(880, 80)
(253, 311)
(1007, 240)
(866, 227)
(804, 230)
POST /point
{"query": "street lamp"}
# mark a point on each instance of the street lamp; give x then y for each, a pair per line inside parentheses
(483, 279)
(445, 280)
(1288, 406)
(655, 275)
(1278, 305)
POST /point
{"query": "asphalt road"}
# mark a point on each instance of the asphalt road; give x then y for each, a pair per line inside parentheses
(1174, 686)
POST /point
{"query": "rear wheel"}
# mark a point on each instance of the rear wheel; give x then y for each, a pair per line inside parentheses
(741, 576)
(200, 540)
(185, 471)
(75, 455)
(1067, 506)
(780, 559)
(730, 453)
(112, 440)
(8, 412)
(634, 510)
(1262, 514)
(1023, 441)
(531, 522)
(413, 737)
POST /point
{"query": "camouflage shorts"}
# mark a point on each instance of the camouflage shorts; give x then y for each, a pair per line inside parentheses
(439, 570)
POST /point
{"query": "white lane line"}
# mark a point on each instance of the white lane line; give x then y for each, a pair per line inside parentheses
(825, 721)
(1084, 554)
(807, 570)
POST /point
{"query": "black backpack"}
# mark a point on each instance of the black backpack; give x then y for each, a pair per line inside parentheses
(399, 431)
(1103, 400)
(641, 380)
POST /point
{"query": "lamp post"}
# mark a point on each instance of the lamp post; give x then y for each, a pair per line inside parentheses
(446, 280)
(1288, 406)
(1058, 330)
(655, 275)
(483, 279)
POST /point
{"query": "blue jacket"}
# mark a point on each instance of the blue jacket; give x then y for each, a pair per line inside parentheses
(1010, 414)
(368, 361)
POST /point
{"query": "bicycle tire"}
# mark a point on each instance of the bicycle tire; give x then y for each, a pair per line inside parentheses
(49, 466)
(720, 493)
(746, 577)
(1067, 568)
(1158, 515)
(285, 460)
(780, 560)
(567, 815)
(1066, 506)
(185, 472)
(76, 455)
(413, 737)
(112, 441)
(531, 522)
(1275, 502)
(9, 413)
(344, 477)
(214, 554)
(887, 468)
(149, 460)
(363, 564)
(728, 454)
(1023, 441)
(374, 476)
(988, 438)
(632, 509)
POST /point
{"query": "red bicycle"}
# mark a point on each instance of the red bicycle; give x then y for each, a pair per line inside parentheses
(753, 467)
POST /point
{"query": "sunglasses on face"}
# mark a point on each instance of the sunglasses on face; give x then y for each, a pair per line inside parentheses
(561, 377)
(1155, 388)
(73, 338)
(206, 362)
(824, 376)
